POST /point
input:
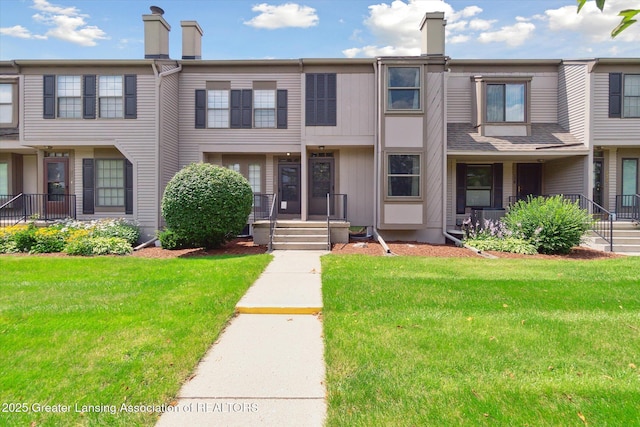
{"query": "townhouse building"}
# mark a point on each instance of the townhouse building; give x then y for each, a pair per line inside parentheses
(405, 146)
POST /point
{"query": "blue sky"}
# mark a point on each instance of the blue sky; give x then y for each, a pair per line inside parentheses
(257, 29)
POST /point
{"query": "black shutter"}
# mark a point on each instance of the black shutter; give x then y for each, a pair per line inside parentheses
(321, 99)
(89, 97)
(201, 108)
(497, 185)
(130, 96)
(310, 100)
(615, 95)
(49, 97)
(247, 104)
(128, 187)
(235, 107)
(88, 190)
(331, 100)
(281, 112)
(461, 184)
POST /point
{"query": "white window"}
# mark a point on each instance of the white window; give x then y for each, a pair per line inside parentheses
(69, 97)
(234, 167)
(631, 103)
(403, 175)
(6, 103)
(403, 88)
(255, 177)
(111, 99)
(110, 187)
(505, 102)
(218, 108)
(479, 184)
(264, 108)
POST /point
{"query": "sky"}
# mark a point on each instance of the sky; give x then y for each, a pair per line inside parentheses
(273, 29)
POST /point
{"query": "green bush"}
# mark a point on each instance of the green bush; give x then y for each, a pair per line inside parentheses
(553, 225)
(507, 244)
(88, 246)
(170, 240)
(117, 228)
(206, 205)
(25, 238)
(48, 240)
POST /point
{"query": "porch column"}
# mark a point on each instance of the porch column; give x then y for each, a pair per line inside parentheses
(612, 184)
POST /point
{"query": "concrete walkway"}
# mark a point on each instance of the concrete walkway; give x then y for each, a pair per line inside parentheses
(267, 367)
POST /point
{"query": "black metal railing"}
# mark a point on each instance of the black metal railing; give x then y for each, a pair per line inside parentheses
(43, 207)
(602, 224)
(337, 207)
(273, 217)
(628, 207)
(261, 206)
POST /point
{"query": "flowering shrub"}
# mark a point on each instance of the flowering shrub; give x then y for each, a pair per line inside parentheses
(88, 246)
(98, 237)
(489, 229)
(507, 244)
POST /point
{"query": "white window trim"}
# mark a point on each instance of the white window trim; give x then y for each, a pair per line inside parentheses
(419, 88)
(388, 175)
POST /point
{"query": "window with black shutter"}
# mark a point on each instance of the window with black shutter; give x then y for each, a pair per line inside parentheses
(320, 99)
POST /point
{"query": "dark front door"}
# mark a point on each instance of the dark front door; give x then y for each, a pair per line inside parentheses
(56, 187)
(321, 181)
(529, 180)
(289, 188)
(598, 180)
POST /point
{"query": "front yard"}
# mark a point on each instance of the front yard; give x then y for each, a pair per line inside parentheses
(88, 335)
(431, 342)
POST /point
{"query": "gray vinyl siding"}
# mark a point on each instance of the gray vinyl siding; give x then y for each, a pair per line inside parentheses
(565, 176)
(194, 142)
(356, 178)
(572, 99)
(608, 131)
(136, 139)
(355, 109)
(459, 98)
(544, 96)
(434, 161)
(169, 162)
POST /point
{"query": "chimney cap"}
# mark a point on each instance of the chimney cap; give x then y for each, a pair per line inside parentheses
(155, 10)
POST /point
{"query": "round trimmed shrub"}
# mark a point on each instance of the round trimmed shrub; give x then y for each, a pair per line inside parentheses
(553, 225)
(205, 206)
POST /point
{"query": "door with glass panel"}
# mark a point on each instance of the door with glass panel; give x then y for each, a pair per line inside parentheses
(289, 188)
(56, 186)
(321, 178)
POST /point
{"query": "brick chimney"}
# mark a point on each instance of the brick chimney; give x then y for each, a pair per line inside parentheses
(156, 35)
(432, 29)
(191, 40)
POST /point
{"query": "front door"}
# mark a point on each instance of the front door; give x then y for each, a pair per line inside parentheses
(321, 180)
(56, 186)
(289, 188)
(529, 180)
(598, 180)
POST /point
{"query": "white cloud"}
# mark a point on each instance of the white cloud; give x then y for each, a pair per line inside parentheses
(481, 24)
(20, 32)
(67, 24)
(286, 15)
(512, 35)
(591, 22)
(460, 38)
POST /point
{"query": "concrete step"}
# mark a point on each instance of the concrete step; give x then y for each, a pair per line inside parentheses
(289, 231)
(300, 246)
(300, 238)
(618, 240)
(301, 224)
(626, 248)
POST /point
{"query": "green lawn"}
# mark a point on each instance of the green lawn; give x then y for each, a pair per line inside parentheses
(443, 342)
(108, 331)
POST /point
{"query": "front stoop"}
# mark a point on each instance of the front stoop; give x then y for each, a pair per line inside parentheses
(626, 239)
(300, 235)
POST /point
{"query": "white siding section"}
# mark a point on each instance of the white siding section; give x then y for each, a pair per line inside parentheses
(544, 98)
(608, 131)
(565, 176)
(572, 99)
(194, 142)
(355, 110)
(355, 179)
(434, 163)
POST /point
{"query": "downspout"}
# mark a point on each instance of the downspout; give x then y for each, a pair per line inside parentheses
(376, 157)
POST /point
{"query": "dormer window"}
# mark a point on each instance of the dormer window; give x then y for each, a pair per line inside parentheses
(505, 102)
(501, 105)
